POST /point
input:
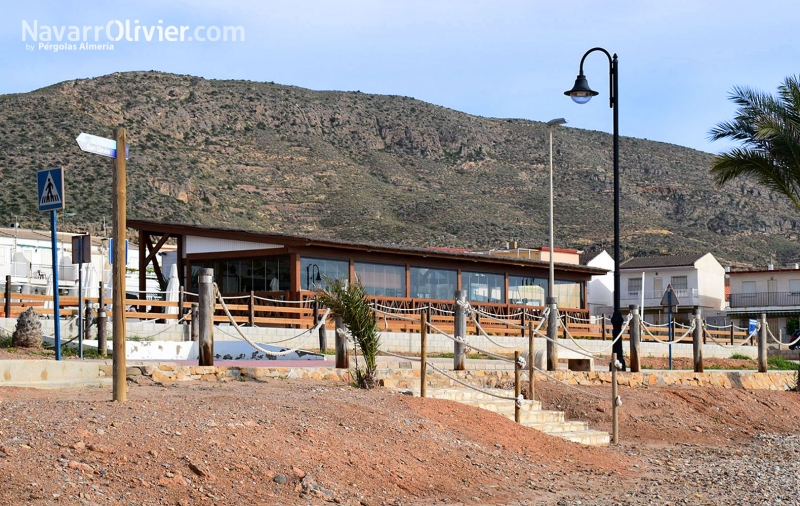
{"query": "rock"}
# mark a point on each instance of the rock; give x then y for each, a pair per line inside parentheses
(298, 472)
(280, 479)
(80, 466)
(28, 332)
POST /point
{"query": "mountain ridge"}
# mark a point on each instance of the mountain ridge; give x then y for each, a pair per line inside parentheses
(386, 168)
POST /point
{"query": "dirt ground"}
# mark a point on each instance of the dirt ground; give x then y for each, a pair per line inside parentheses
(288, 442)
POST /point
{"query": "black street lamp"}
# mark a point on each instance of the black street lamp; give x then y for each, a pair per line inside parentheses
(312, 274)
(581, 94)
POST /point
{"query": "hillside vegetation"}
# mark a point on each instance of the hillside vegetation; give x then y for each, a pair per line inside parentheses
(370, 168)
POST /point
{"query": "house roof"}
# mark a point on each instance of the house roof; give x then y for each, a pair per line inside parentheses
(588, 256)
(661, 261)
(763, 271)
(160, 227)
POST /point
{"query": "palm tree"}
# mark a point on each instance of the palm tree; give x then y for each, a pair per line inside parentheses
(768, 127)
(351, 303)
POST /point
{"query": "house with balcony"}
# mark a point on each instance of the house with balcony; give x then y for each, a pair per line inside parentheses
(770, 291)
(698, 281)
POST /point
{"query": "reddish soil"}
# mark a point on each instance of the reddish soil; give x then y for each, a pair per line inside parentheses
(307, 442)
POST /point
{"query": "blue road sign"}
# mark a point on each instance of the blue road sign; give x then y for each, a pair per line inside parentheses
(99, 145)
(50, 189)
(111, 251)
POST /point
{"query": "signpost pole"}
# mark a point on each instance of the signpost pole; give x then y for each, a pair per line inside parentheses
(80, 296)
(56, 305)
(118, 269)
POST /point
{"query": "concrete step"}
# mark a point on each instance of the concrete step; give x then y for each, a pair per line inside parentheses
(502, 405)
(531, 413)
(557, 427)
(587, 437)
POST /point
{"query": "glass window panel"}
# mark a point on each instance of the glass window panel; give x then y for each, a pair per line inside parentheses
(679, 283)
(748, 287)
(794, 285)
(527, 290)
(440, 284)
(313, 270)
(277, 273)
(382, 279)
(570, 293)
(634, 286)
(483, 287)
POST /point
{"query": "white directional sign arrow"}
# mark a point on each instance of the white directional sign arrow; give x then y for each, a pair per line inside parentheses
(99, 145)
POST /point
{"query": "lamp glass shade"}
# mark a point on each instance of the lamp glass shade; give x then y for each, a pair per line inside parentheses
(581, 92)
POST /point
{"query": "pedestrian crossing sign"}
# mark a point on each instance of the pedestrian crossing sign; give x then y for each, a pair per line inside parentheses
(50, 189)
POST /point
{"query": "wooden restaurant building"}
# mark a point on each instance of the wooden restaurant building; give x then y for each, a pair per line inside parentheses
(291, 267)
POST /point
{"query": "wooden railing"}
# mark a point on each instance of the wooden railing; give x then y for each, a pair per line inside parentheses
(393, 315)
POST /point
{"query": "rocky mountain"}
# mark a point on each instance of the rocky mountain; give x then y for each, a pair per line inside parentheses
(370, 168)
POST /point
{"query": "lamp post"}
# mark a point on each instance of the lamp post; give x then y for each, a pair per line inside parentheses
(581, 94)
(551, 284)
(552, 302)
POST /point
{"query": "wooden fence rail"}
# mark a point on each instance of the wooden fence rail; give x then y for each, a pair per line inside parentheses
(396, 316)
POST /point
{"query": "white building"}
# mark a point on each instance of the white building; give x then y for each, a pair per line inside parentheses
(27, 256)
(600, 290)
(697, 280)
(774, 292)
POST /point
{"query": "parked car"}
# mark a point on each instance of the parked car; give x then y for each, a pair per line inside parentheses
(795, 340)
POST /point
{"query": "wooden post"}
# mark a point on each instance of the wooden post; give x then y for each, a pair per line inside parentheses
(552, 335)
(704, 333)
(342, 360)
(732, 331)
(102, 345)
(697, 340)
(87, 320)
(459, 330)
(517, 386)
(195, 328)
(7, 306)
(181, 298)
(252, 309)
(762, 344)
(119, 267)
(635, 338)
(614, 403)
(323, 337)
(205, 319)
(603, 325)
(531, 356)
(423, 352)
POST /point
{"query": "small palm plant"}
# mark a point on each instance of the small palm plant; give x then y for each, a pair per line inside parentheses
(349, 301)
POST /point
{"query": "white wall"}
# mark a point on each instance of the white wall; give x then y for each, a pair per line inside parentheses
(601, 288)
(711, 282)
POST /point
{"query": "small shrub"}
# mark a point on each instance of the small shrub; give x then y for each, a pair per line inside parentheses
(740, 356)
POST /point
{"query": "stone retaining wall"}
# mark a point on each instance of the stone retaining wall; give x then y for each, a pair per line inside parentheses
(401, 376)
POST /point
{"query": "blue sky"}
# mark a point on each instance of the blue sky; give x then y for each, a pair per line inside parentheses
(503, 58)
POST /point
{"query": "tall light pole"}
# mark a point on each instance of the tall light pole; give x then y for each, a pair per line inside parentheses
(552, 302)
(551, 284)
(581, 94)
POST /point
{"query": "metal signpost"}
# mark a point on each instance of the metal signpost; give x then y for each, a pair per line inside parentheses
(81, 253)
(108, 147)
(50, 195)
(670, 300)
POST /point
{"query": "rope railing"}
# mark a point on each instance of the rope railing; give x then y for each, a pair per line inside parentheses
(486, 336)
(309, 332)
(610, 345)
(689, 330)
(734, 346)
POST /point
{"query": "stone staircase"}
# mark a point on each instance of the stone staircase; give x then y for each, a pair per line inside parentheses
(531, 414)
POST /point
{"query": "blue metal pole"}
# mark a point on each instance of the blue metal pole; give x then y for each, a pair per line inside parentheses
(80, 296)
(56, 305)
